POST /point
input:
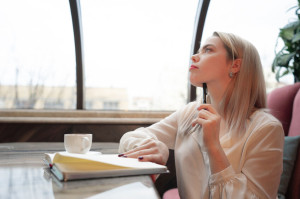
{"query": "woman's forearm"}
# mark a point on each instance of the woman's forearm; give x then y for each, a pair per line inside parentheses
(217, 159)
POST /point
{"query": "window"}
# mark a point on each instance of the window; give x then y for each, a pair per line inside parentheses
(37, 56)
(137, 52)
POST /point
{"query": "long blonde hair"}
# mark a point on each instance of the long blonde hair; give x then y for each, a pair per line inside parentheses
(246, 92)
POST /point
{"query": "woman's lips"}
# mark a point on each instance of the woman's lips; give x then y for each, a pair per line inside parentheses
(193, 67)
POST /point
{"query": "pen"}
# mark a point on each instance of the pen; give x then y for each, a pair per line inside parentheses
(192, 129)
(204, 93)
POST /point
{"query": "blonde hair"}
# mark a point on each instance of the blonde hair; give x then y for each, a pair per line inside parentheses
(246, 92)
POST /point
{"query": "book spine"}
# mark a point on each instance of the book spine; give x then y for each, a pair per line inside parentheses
(57, 173)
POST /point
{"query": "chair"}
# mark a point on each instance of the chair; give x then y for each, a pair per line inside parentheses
(284, 104)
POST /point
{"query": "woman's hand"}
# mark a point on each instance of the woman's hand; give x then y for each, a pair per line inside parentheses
(210, 121)
(150, 151)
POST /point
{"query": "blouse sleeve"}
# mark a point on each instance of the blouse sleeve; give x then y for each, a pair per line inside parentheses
(261, 171)
(164, 130)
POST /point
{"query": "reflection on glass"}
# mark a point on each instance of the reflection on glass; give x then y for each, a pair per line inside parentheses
(136, 190)
(24, 182)
(137, 53)
(37, 56)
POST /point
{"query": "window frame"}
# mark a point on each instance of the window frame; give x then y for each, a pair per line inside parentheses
(79, 53)
(99, 117)
(196, 41)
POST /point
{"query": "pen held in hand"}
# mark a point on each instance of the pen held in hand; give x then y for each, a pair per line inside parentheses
(204, 93)
(192, 129)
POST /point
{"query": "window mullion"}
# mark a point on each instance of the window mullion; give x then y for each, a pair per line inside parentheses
(78, 39)
(197, 36)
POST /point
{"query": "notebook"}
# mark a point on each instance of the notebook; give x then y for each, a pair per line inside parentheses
(70, 166)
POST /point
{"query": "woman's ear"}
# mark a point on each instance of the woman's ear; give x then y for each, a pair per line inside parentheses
(236, 65)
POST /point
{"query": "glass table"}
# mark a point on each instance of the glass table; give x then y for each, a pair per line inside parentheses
(24, 175)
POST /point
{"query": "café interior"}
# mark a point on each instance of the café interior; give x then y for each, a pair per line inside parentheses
(109, 67)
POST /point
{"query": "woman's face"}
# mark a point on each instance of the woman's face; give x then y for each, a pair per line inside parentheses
(210, 65)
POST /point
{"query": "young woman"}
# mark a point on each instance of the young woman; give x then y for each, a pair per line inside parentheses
(230, 147)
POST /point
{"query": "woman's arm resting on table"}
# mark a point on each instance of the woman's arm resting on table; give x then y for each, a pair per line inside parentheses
(150, 150)
(151, 143)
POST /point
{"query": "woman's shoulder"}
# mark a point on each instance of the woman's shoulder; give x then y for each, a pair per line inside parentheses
(263, 117)
(190, 107)
(187, 110)
(263, 122)
(263, 132)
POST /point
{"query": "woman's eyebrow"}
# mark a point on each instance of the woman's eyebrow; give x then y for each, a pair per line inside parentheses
(205, 46)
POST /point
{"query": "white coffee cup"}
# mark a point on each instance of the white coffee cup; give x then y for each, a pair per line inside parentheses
(78, 143)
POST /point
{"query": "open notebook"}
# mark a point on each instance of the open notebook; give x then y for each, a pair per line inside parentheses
(70, 166)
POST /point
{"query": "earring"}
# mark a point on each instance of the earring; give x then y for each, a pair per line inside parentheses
(231, 74)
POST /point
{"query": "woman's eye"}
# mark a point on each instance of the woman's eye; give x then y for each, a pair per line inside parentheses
(207, 50)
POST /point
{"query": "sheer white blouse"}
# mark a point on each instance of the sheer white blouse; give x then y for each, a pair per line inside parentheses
(255, 158)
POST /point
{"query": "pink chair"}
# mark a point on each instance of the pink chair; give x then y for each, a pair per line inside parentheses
(171, 194)
(284, 104)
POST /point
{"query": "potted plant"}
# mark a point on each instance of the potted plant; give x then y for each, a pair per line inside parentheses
(287, 60)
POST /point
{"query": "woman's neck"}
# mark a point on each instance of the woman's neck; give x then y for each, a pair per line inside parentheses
(216, 94)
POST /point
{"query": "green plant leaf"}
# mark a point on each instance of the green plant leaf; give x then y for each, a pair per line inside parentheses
(288, 58)
(287, 32)
(296, 37)
(278, 74)
(283, 60)
(292, 25)
(285, 73)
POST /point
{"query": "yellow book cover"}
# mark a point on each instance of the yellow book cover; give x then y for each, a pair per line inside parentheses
(70, 166)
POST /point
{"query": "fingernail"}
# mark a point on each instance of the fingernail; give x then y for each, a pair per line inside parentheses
(141, 157)
(120, 155)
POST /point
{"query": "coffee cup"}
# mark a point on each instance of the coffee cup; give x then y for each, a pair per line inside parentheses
(78, 143)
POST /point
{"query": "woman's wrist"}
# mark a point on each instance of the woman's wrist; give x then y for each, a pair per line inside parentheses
(214, 148)
(213, 145)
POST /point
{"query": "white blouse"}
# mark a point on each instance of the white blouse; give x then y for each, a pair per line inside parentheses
(255, 158)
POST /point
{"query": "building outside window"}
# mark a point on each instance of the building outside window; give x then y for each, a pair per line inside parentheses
(108, 105)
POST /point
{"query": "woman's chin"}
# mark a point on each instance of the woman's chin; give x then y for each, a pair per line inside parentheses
(196, 84)
(194, 80)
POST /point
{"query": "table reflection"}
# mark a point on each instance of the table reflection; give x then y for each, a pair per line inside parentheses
(24, 182)
(136, 187)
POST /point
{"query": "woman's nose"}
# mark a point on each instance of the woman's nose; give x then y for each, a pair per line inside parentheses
(195, 58)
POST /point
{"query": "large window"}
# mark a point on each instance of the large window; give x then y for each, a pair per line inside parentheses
(37, 56)
(137, 53)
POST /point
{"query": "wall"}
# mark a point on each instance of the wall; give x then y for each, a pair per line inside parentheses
(50, 126)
